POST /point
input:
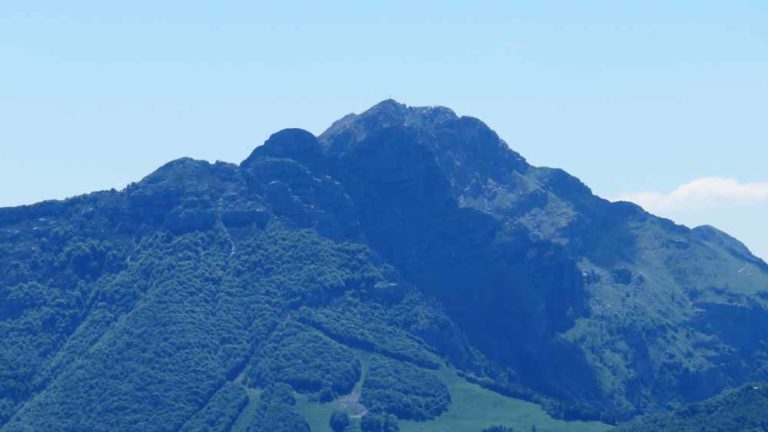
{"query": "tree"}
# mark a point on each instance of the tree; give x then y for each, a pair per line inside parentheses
(339, 421)
(379, 423)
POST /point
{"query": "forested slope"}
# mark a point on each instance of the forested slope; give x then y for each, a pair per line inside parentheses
(361, 265)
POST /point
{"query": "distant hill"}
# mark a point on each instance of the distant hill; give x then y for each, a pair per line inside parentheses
(401, 266)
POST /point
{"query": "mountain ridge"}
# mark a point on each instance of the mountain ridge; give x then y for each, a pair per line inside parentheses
(524, 279)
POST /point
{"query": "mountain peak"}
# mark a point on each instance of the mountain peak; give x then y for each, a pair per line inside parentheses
(388, 105)
(410, 114)
(390, 113)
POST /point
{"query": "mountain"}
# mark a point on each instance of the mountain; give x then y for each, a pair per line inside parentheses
(404, 265)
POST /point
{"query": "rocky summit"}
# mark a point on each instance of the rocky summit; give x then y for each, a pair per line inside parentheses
(382, 275)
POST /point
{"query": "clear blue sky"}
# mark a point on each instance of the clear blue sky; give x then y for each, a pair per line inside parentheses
(629, 96)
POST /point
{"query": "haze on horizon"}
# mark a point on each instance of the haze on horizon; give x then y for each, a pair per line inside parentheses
(658, 103)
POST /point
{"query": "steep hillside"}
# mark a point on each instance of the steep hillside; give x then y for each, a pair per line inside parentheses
(584, 299)
(360, 266)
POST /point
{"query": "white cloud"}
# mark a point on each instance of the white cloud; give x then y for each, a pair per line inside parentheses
(701, 193)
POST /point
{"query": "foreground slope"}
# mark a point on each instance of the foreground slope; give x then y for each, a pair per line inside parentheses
(221, 296)
(741, 410)
(133, 310)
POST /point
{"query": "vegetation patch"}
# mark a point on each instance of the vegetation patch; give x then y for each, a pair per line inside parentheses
(221, 411)
(275, 412)
(404, 390)
(745, 409)
(370, 327)
(306, 360)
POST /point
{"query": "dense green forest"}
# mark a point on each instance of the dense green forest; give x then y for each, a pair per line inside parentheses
(406, 391)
